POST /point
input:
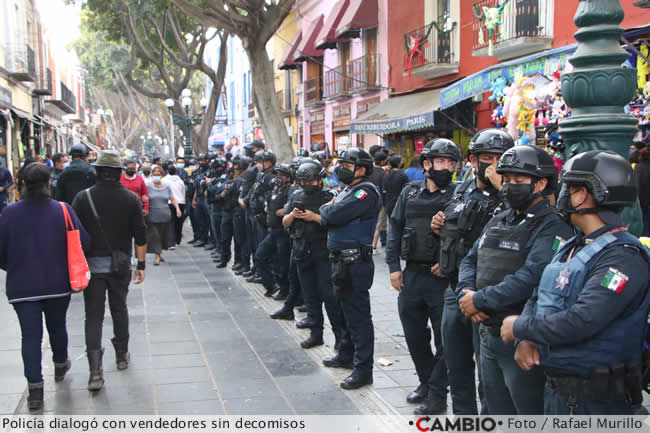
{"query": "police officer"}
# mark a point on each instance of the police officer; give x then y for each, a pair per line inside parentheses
(474, 203)
(503, 267)
(216, 183)
(421, 287)
(257, 198)
(235, 227)
(250, 176)
(351, 219)
(189, 197)
(77, 176)
(310, 254)
(586, 323)
(199, 203)
(275, 244)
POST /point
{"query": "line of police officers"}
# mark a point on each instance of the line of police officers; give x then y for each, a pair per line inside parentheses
(492, 270)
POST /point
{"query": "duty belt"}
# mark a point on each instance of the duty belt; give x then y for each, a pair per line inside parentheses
(418, 267)
(351, 255)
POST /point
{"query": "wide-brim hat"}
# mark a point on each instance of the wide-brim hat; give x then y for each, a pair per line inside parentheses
(108, 158)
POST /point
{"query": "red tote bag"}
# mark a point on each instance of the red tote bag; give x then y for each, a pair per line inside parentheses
(77, 266)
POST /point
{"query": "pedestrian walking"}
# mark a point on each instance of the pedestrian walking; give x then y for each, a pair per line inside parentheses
(160, 214)
(586, 323)
(351, 219)
(6, 185)
(58, 161)
(113, 218)
(33, 251)
(178, 189)
(77, 176)
(135, 183)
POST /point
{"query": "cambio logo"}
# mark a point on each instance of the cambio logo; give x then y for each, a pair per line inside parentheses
(460, 424)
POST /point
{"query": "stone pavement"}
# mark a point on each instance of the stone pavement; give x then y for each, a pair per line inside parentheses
(202, 343)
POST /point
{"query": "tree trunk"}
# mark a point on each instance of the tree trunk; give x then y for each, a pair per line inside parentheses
(275, 131)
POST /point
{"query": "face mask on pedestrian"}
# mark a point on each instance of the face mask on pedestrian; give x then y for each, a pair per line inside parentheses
(344, 174)
(204, 166)
(179, 166)
(130, 172)
(310, 189)
(146, 172)
(520, 195)
(156, 179)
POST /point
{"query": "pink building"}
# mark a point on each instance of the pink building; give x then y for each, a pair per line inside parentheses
(343, 72)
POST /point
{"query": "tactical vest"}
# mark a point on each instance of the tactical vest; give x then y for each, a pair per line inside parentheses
(228, 202)
(464, 223)
(309, 230)
(257, 193)
(559, 290)
(358, 232)
(277, 201)
(419, 243)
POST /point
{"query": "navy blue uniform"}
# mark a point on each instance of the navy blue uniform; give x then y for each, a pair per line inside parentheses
(422, 297)
(508, 389)
(215, 203)
(294, 297)
(201, 211)
(351, 221)
(275, 245)
(597, 322)
(237, 225)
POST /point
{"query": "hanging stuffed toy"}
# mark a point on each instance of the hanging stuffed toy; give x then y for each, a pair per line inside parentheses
(498, 89)
(491, 18)
(414, 45)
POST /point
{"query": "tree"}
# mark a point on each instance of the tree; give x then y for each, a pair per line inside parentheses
(254, 22)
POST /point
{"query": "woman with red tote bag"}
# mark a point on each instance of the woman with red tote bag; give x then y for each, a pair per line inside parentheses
(34, 252)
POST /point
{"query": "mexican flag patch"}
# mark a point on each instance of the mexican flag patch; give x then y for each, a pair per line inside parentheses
(615, 280)
(361, 194)
(558, 243)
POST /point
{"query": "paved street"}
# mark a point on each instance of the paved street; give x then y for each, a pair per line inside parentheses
(202, 343)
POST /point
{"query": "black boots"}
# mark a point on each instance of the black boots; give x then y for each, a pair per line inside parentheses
(35, 397)
(432, 406)
(270, 290)
(356, 381)
(96, 379)
(121, 354)
(312, 341)
(60, 369)
(338, 362)
(283, 314)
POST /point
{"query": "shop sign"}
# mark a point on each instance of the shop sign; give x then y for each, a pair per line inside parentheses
(542, 63)
(381, 127)
(341, 116)
(318, 117)
(367, 105)
(5, 97)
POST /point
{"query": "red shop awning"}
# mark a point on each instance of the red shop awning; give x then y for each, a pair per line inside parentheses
(289, 53)
(361, 14)
(327, 37)
(307, 47)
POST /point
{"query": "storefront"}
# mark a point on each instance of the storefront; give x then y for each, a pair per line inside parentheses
(5, 123)
(367, 140)
(341, 127)
(317, 131)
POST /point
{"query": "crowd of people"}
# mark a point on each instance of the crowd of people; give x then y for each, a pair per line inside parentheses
(481, 249)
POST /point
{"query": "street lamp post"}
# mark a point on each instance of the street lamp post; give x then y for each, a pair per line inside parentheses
(186, 121)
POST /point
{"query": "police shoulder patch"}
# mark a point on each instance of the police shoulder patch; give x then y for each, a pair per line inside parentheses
(360, 194)
(615, 280)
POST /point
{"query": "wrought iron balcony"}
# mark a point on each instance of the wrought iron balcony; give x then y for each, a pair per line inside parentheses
(23, 65)
(335, 83)
(313, 91)
(362, 74)
(65, 100)
(251, 110)
(43, 85)
(429, 50)
(526, 27)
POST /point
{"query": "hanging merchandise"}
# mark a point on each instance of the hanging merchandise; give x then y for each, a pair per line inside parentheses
(643, 67)
(491, 18)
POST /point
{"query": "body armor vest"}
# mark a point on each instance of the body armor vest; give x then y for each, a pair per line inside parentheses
(503, 250)
(277, 201)
(419, 243)
(228, 202)
(358, 232)
(309, 230)
(464, 223)
(559, 289)
(257, 193)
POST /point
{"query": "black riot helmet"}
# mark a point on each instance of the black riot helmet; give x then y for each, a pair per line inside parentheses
(310, 169)
(303, 152)
(530, 160)
(78, 151)
(359, 157)
(295, 162)
(283, 170)
(192, 162)
(265, 155)
(608, 177)
(203, 157)
(240, 162)
(490, 140)
(218, 163)
(441, 148)
(255, 144)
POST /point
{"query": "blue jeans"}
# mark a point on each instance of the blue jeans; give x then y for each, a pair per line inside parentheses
(508, 389)
(30, 316)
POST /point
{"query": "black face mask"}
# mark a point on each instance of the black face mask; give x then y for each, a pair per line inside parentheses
(344, 174)
(441, 178)
(564, 204)
(482, 166)
(519, 195)
(130, 171)
(146, 172)
(204, 166)
(218, 172)
(310, 189)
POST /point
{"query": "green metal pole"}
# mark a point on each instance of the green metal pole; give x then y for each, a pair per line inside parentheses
(188, 138)
(599, 88)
